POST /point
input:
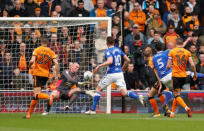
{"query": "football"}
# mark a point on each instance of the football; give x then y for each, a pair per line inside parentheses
(88, 75)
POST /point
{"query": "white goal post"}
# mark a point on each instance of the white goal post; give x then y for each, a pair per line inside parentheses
(15, 31)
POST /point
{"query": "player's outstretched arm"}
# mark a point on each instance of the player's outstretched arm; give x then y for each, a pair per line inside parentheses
(108, 62)
(126, 62)
(193, 67)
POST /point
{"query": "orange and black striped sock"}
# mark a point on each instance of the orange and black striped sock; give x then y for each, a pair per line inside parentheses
(43, 96)
(33, 103)
(181, 102)
(153, 103)
(174, 105)
(162, 98)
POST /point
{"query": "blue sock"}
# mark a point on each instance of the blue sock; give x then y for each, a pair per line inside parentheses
(96, 98)
(132, 95)
(167, 97)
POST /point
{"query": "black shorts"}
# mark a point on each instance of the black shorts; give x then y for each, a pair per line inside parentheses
(40, 81)
(178, 82)
(64, 94)
(156, 86)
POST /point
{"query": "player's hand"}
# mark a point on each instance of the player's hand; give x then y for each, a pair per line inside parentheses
(96, 69)
(194, 77)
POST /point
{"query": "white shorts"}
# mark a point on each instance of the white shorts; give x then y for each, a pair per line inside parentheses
(167, 80)
(116, 78)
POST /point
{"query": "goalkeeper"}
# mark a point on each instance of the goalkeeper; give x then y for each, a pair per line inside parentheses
(67, 88)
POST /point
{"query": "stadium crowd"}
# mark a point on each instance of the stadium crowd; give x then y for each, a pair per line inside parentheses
(144, 24)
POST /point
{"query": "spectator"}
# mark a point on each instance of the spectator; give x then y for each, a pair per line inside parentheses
(89, 5)
(30, 6)
(136, 50)
(65, 37)
(194, 54)
(100, 11)
(138, 16)
(26, 34)
(192, 41)
(79, 11)
(100, 46)
(200, 69)
(18, 10)
(167, 15)
(115, 33)
(156, 37)
(33, 43)
(128, 24)
(155, 42)
(147, 3)
(129, 6)
(149, 12)
(3, 51)
(119, 43)
(128, 54)
(67, 7)
(18, 82)
(156, 23)
(111, 12)
(56, 46)
(58, 9)
(48, 6)
(92, 64)
(194, 5)
(130, 78)
(6, 68)
(116, 21)
(177, 22)
(4, 13)
(193, 23)
(37, 12)
(171, 35)
(129, 39)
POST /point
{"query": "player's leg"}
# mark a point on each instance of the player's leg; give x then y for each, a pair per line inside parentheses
(73, 95)
(54, 95)
(153, 102)
(33, 102)
(120, 82)
(42, 82)
(177, 84)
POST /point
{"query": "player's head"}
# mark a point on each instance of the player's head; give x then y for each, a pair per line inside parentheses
(159, 46)
(201, 58)
(44, 41)
(179, 41)
(74, 67)
(170, 45)
(110, 41)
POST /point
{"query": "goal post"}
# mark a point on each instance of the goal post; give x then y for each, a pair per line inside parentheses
(71, 38)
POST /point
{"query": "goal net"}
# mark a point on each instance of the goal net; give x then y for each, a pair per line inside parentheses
(79, 40)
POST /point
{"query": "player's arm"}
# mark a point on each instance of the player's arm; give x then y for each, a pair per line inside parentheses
(108, 62)
(57, 67)
(126, 62)
(157, 76)
(169, 64)
(32, 61)
(193, 67)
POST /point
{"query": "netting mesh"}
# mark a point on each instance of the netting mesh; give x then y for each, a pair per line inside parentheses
(72, 41)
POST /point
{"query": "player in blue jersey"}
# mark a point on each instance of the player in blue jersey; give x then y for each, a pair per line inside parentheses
(114, 74)
(163, 75)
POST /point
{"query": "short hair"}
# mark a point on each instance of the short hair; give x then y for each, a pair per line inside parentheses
(110, 40)
(44, 40)
(179, 41)
(80, 1)
(159, 46)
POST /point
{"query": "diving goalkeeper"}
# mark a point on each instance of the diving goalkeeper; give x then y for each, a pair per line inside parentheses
(67, 88)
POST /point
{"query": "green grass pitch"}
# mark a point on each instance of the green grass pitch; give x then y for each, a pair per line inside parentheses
(100, 122)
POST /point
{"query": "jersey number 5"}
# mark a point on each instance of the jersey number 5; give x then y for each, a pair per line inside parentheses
(44, 59)
(160, 63)
(181, 61)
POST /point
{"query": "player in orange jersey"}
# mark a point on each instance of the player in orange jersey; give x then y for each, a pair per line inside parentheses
(178, 59)
(42, 59)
